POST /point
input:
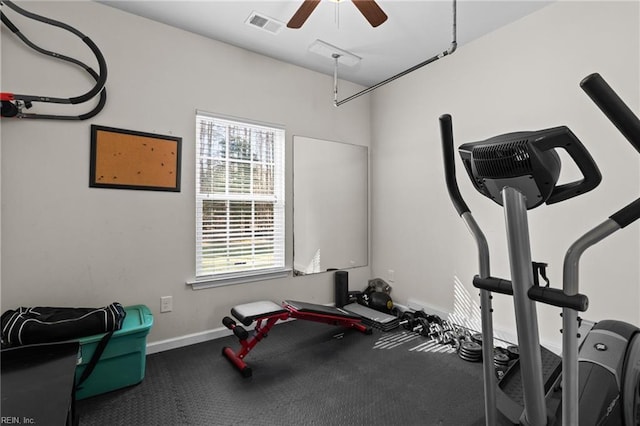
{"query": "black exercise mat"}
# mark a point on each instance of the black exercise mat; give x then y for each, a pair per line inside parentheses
(304, 373)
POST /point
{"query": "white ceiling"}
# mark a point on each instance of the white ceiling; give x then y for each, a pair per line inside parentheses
(415, 31)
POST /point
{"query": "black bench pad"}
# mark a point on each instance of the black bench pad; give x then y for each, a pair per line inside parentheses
(320, 309)
(250, 312)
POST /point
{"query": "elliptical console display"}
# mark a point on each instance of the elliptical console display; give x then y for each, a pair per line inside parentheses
(528, 161)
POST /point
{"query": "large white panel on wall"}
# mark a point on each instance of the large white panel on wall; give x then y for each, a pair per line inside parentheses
(330, 205)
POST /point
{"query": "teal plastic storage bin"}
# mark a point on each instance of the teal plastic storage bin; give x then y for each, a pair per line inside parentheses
(122, 363)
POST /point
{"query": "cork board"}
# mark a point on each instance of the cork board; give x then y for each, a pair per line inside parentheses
(126, 159)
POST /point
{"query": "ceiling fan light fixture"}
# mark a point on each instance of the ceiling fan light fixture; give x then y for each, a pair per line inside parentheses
(332, 52)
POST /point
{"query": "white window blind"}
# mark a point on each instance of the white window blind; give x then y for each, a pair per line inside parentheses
(239, 197)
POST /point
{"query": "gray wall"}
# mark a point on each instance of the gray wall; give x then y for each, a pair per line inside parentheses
(524, 76)
(65, 244)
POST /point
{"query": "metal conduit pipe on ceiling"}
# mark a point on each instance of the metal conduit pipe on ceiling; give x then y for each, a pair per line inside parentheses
(452, 48)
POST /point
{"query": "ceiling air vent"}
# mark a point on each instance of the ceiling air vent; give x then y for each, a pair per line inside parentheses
(264, 23)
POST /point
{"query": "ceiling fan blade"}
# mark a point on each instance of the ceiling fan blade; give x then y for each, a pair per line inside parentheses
(301, 15)
(371, 11)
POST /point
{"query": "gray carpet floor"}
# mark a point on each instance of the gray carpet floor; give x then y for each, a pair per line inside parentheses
(304, 373)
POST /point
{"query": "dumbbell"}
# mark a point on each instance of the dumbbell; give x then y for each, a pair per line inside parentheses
(436, 332)
(408, 321)
(238, 330)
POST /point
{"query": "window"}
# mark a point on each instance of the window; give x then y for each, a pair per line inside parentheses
(239, 198)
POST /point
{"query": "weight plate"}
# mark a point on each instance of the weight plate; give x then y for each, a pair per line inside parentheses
(468, 358)
(471, 354)
(472, 345)
(513, 352)
(501, 360)
(471, 357)
(477, 338)
(499, 350)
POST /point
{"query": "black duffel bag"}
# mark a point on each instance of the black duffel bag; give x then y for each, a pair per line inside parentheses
(26, 326)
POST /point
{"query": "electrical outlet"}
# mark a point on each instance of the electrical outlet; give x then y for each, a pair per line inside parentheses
(166, 304)
(391, 275)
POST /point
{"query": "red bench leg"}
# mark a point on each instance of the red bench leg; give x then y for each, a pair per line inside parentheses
(240, 365)
(247, 344)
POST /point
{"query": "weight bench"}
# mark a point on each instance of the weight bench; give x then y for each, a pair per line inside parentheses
(267, 313)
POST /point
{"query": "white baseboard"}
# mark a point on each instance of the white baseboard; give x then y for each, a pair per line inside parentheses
(417, 305)
(192, 339)
(189, 339)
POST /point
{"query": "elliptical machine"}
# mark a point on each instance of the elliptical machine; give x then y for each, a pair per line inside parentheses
(600, 376)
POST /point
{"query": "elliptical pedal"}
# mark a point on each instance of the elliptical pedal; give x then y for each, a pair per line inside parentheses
(511, 404)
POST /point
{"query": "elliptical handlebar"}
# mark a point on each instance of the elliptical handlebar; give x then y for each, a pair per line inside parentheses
(613, 107)
(629, 125)
(625, 121)
(488, 368)
(446, 132)
(627, 215)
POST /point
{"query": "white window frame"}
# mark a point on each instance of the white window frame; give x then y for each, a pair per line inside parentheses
(204, 277)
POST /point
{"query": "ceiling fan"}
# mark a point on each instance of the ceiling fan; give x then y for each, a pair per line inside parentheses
(369, 9)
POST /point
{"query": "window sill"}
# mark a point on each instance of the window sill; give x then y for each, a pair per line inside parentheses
(233, 279)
